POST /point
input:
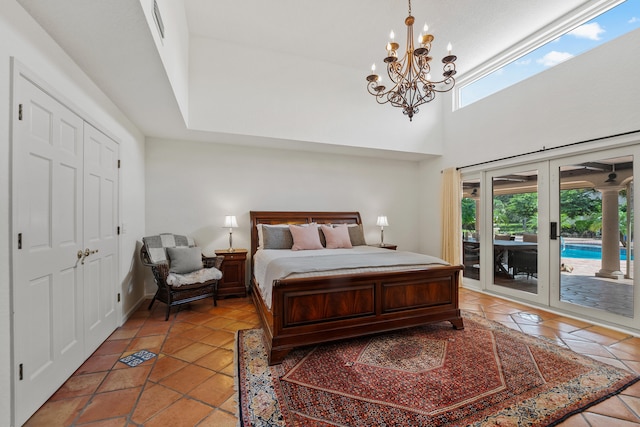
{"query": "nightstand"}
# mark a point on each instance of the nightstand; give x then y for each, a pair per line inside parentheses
(233, 273)
(386, 246)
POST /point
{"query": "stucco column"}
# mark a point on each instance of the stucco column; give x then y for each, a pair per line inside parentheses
(610, 267)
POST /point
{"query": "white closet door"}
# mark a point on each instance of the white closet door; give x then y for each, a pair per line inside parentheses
(65, 246)
(47, 279)
(100, 237)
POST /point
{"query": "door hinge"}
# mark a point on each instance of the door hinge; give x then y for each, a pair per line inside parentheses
(118, 163)
(19, 111)
(20, 373)
(19, 240)
(118, 296)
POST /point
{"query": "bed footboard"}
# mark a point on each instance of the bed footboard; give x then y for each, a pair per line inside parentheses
(321, 309)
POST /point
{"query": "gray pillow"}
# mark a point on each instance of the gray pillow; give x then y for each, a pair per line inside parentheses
(184, 259)
(276, 237)
(323, 239)
(356, 234)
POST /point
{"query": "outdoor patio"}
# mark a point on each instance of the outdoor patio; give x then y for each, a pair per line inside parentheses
(582, 287)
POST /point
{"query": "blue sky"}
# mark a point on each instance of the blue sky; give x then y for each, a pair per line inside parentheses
(611, 24)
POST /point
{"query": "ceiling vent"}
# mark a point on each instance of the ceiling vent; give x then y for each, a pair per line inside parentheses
(158, 18)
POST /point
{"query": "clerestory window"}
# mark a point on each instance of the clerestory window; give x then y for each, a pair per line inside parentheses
(598, 30)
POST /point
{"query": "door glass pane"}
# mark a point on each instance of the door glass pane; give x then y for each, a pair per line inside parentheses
(471, 228)
(515, 228)
(596, 232)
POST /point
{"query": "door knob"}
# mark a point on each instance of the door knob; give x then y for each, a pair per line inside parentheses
(86, 253)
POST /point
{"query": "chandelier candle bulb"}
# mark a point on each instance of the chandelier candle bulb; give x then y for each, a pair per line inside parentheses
(411, 84)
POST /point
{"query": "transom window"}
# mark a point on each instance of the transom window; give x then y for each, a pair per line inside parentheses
(607, 26)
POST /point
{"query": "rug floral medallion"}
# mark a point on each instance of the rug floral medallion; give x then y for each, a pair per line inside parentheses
(433, 375)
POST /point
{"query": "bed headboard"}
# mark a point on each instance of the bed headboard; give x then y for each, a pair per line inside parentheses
(283, 217)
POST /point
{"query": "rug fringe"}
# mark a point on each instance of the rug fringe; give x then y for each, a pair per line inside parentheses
(595, 402)
(236, 379)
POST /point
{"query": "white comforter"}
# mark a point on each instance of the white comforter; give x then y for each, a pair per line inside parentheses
(266, 272)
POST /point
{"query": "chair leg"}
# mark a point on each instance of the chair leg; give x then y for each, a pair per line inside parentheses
(166, 317)
(152, 301)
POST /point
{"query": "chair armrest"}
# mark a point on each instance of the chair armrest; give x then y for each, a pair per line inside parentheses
(160, 271)
(144, 256)
(214, 261)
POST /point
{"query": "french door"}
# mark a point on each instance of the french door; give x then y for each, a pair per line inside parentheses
(559, 233)
(592, 247)
(64, 246)
(515, 219)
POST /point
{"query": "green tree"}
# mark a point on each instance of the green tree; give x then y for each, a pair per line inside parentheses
(468, 214)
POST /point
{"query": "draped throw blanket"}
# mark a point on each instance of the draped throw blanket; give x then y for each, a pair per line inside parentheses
(282, 267)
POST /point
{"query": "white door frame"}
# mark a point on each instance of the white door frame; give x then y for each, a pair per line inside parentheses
(595, 150)
(554, 250)
(486, 234)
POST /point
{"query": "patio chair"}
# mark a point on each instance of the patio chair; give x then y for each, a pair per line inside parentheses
(180, 270)
(504, 237)
(525, 262)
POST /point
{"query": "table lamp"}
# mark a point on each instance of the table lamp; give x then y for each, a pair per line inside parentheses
(230, 223)
(382, 222)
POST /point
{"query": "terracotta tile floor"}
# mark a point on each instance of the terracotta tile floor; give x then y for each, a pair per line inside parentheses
(190, 383)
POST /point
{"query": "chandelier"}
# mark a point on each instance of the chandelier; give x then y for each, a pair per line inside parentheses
(411, 83)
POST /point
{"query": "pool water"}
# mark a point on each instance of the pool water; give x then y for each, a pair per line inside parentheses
(588, 252)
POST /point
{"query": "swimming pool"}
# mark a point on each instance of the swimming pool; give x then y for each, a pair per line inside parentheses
(587, 252)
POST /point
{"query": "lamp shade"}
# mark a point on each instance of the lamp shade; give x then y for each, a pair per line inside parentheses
(230, 221)
(382, 221)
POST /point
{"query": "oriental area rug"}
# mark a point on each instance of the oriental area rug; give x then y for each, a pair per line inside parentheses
(433, 375)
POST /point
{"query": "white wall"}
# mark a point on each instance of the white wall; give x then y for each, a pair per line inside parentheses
(191, 186)
(301, 100)
(593, 95)
(173, 48)
(22, 38)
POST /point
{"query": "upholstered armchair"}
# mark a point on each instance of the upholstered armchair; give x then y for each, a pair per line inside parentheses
(180, 270)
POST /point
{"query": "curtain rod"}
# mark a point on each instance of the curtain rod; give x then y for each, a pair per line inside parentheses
(549, 149)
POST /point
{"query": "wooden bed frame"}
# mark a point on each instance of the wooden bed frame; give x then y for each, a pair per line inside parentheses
(320, 309)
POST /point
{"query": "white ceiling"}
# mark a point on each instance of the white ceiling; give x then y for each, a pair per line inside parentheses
(111, 42)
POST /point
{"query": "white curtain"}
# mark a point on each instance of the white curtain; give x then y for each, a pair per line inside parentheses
(451, 217)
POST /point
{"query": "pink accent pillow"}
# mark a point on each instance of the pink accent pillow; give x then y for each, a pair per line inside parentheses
(305, 237)
(337, 237)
